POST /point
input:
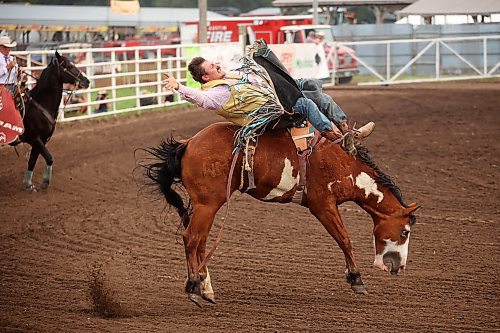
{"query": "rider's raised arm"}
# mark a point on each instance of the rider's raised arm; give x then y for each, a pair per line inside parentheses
(212, 99)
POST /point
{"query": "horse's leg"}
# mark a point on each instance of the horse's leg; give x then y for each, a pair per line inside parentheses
(207, 292)
(195, 237)
(28, 174)
(329, 217)
(47, 174)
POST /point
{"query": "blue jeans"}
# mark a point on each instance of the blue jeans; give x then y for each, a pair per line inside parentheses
(307, 108)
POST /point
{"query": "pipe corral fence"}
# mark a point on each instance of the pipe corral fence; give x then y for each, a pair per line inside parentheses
(132, 76)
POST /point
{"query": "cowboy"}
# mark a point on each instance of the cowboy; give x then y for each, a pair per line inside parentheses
(319, 38)
(9, 69)
(8, 64)
(236, 98)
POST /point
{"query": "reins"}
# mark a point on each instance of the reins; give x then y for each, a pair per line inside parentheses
(228, 196)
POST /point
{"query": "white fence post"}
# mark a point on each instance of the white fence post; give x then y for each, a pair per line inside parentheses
(137, 79)
(113, 79)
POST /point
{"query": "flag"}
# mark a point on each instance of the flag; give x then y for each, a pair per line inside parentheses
(124, 7)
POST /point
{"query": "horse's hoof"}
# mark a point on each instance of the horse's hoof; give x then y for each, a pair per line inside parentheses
(30, 188)
(359, 289)
(210, 297)
(196, 299)
(44, 185)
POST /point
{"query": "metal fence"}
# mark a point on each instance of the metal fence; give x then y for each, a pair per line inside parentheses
(132, 76)
(425, 60)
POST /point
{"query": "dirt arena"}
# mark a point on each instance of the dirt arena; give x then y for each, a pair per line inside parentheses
(276, 269)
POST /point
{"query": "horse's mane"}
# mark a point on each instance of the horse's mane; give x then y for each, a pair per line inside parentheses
(381, 178)
(43, 81)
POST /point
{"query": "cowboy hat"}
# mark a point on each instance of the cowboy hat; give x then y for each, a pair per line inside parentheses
(5, 41)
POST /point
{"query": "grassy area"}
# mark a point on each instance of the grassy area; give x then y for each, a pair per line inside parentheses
(120, 105)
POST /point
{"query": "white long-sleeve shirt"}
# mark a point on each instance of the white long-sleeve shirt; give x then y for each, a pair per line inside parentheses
(214, 98)
(6, 76)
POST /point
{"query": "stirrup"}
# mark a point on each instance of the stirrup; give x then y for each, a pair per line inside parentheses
(349, 144)
(15, 142)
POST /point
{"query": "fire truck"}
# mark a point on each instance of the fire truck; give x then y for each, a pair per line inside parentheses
(256, 27)
(276, 30)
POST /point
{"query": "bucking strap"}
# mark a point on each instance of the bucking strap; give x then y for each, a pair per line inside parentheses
(303, 155)
(247, 178)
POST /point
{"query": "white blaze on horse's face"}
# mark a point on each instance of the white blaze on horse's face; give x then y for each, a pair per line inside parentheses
(287, 182)
(368, 184)
(391, 237)
(392, 252)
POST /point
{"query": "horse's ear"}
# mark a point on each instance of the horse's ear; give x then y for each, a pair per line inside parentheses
(58, 56)
(411, 209)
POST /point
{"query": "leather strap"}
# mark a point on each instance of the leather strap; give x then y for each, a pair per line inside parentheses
(43, 110)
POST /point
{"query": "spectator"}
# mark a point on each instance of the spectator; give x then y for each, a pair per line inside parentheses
(319, 38)
(102, 95)
(310, 36)
(75, 98)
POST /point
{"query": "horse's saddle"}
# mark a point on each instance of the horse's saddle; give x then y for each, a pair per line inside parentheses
(304, 137)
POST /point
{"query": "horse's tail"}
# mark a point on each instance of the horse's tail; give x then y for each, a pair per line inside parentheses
(167, 172)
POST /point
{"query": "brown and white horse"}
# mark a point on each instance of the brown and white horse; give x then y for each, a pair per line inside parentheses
(202, 165)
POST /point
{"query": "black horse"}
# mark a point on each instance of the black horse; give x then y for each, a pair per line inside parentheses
(42, 108)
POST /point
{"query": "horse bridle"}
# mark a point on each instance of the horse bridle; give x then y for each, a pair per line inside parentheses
(65, 70)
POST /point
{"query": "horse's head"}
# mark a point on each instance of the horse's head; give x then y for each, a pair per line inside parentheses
(69, 73)
(391, 237)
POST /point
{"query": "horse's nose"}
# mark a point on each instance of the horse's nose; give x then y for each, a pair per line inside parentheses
(393, 260)
(85, 83)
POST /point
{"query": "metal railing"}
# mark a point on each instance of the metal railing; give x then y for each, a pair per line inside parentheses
(423, 60)
(132, 75)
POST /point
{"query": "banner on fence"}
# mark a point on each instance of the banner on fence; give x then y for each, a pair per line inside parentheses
(302, 60)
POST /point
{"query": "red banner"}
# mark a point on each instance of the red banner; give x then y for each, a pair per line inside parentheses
(11, 123)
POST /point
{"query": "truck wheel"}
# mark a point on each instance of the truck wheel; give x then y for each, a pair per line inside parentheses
(344, 80)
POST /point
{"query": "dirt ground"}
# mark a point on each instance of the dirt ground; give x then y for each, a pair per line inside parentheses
(276, 269)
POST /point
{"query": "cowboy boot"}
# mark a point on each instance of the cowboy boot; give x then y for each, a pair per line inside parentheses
(364, 131)
(355, 134)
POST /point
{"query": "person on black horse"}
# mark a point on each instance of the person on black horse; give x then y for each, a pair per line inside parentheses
(10, 72)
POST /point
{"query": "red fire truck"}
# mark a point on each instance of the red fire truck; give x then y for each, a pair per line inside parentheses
(256, 27)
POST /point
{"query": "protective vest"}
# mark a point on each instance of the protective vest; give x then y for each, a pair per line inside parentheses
(244, 99)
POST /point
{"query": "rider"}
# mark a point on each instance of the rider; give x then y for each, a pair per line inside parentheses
(9, 69)
(233, 99)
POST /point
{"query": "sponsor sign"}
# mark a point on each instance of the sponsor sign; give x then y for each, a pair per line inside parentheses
(302, 60)
(11, 123)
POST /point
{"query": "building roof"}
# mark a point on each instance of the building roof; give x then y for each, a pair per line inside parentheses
(344, 3)
(95, 16)
(451, 7)
(263, 11)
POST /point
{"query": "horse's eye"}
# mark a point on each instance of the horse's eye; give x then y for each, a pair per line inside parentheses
(405, 233)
